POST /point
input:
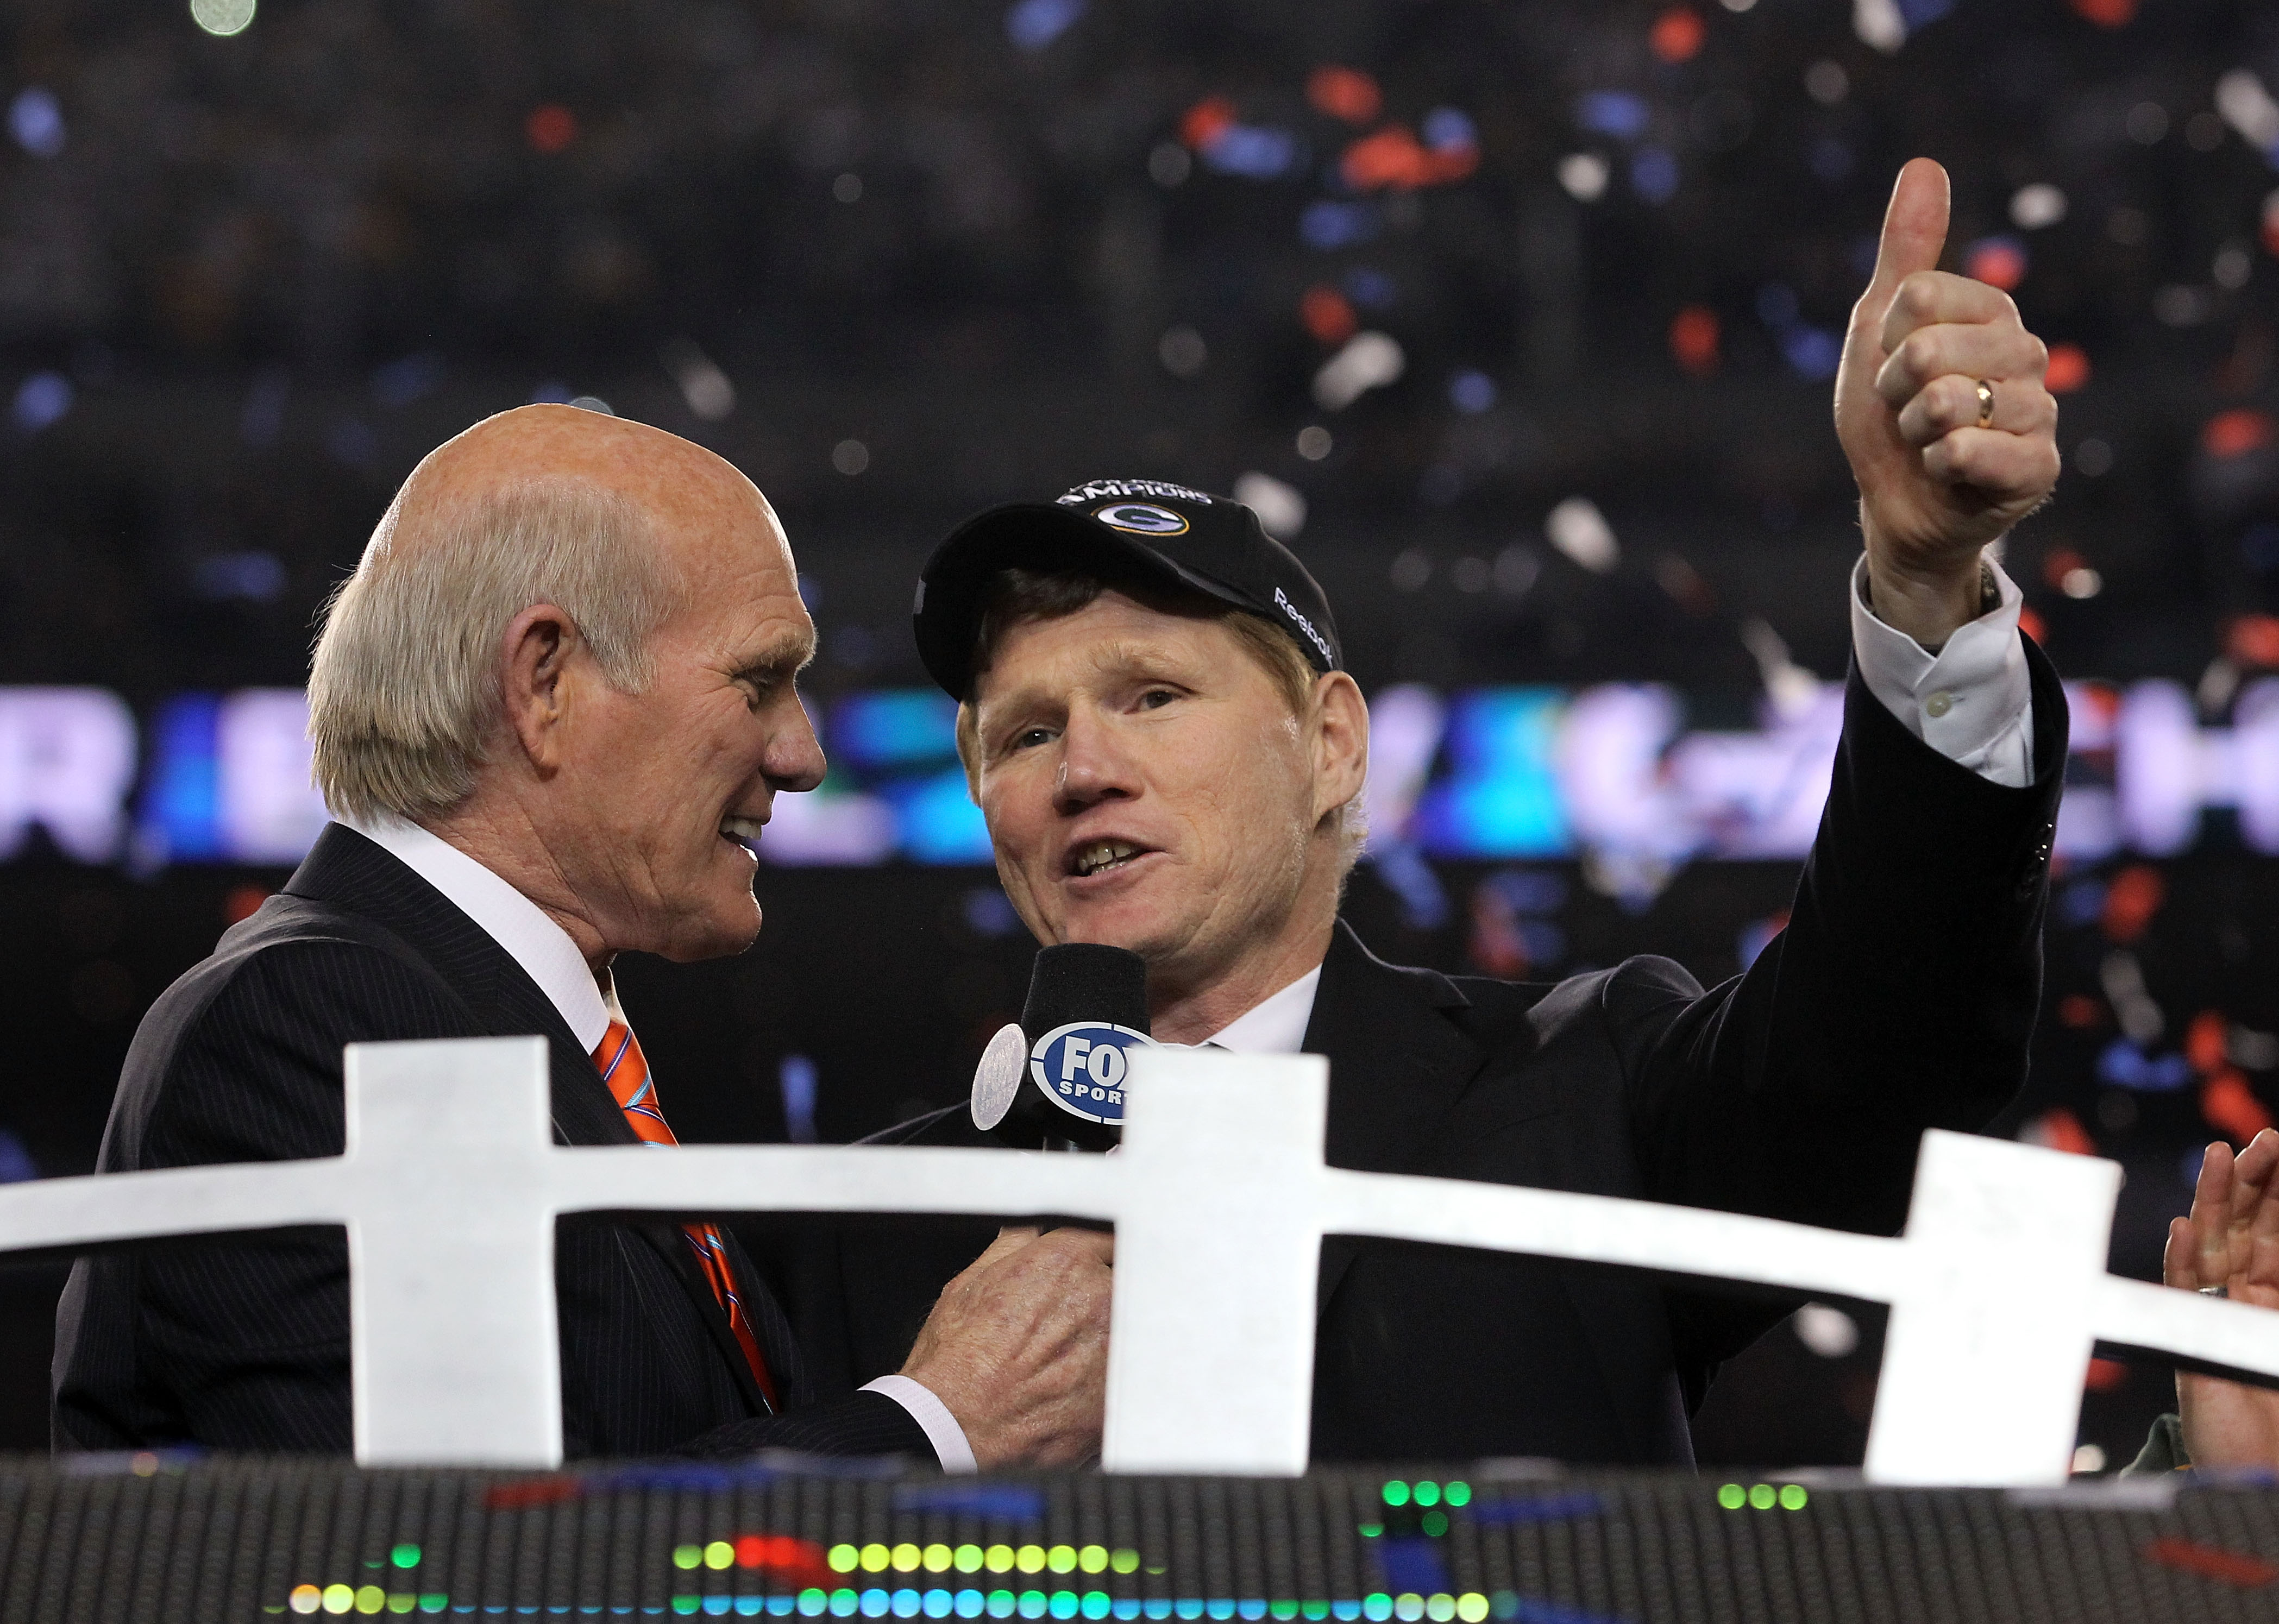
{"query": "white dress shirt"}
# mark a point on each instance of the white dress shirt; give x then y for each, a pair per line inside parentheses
(547, 955)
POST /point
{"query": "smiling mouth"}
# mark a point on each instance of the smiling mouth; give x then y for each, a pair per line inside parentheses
(1101, 855)
(744, 831)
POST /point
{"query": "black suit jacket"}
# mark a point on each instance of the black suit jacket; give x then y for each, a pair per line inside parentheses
(243, 1344)
(1900, 998)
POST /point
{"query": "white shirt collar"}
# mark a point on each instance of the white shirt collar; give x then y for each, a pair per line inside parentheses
(543, 947)
(1277, 1026)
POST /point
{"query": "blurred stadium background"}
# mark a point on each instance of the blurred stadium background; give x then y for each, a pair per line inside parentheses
(1517, 317)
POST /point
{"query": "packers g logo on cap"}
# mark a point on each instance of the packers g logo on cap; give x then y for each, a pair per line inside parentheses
(1141, 519)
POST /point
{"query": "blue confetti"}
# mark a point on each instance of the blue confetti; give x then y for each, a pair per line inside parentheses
(1612, 112)
(1033, 25)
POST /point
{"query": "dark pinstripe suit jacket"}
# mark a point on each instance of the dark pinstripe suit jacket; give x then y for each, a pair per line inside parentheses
(243, 1344)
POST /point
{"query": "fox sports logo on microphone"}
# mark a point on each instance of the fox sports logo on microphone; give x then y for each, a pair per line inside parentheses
(1081, 1067)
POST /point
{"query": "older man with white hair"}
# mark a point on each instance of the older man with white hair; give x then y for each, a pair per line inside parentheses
(551, 712)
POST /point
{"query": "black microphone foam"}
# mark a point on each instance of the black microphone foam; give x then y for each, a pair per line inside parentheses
(1086, 981)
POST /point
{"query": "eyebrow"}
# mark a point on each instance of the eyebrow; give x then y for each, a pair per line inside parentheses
(1117, 662)
(787, 654)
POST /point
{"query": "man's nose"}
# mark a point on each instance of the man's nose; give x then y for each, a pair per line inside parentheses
(794, 755)
(1094, 766)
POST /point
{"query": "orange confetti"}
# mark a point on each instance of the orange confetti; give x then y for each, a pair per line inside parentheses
(1328, 315)
(1997, 262)
(2060, 1130)
(243, 901)
(2130, 902)
(1344, 93)
(2068, 369)
(2229, 1104)
(1677, 35)
(550, 129)
(2252, 640)
(1693, 340)
(1393, 158)
(2236, 432)
(2204, 1042)
(1206, 121)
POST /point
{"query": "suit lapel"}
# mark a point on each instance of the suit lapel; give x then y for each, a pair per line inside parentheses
(1397, 1066)
(345, 868)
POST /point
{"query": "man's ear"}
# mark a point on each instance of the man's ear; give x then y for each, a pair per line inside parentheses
(536, 654)
(1340, 741)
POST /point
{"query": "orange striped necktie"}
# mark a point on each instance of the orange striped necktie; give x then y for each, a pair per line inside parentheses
(626, 1070)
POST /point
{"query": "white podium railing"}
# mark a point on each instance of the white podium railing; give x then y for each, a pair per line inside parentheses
(450, 1188)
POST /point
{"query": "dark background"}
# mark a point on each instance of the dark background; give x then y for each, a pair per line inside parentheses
(246, 282)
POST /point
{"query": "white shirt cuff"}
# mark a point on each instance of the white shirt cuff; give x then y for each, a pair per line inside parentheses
(941, 1428)
(1973, 701)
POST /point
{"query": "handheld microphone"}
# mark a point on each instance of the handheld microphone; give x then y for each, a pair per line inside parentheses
(1055, 1081)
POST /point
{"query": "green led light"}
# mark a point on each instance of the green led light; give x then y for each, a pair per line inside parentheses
(1458, 1493)
(1091, 1558)
(1096, 1604)
(1000, 1558)
(1471, 1607)
(693, 1556)
(812, 1602)
(906, 1557)
(434, 1602)
(719, 1554)
(875, 1558)
(1793, 1497)
(1434, 1522)
(1124, 1561)
(1427, 1493)
(1764, 1496)
(968, 1558)
(405, 1556)
(842, 1558)
(1377, 1605)
(686, 1604)
(1061, 1559)
(1316, 1610)
(1396, 1493)
(402, 1601)
(1733, 1497)
(1370, 1530)
(843, 1603)
(938, 1558)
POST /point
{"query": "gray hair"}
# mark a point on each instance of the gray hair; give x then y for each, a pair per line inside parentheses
(405, 688)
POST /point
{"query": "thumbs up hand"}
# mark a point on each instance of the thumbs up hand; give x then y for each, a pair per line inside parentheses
(1940, 474)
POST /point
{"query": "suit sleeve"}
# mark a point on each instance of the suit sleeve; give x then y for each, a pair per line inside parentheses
(1900, 997)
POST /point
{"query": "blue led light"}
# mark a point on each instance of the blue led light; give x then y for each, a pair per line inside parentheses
(1502, 796)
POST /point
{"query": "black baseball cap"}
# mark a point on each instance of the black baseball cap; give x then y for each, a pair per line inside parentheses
(1149, 531)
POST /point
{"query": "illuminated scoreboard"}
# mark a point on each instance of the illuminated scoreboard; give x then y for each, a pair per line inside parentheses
(1497, 774)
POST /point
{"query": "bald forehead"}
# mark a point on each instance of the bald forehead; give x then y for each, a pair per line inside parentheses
(697, 500)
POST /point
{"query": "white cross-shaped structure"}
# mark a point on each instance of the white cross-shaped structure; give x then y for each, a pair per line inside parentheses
(449, 1187)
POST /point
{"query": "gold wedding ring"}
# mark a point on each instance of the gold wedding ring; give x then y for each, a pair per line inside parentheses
(1985, 404)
